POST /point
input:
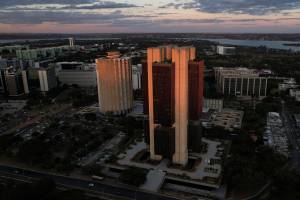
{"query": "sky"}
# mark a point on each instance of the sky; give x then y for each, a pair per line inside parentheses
(141, 16)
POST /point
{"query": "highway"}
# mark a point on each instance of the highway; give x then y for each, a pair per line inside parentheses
(99, 187)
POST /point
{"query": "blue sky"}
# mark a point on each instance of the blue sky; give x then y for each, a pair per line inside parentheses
(88, 16)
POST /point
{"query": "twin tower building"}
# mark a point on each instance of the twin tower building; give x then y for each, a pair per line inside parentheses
(173, 83)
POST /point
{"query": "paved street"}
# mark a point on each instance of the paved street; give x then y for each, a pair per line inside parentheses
(100, 187)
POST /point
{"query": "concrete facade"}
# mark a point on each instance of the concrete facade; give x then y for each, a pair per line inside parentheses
(168, 72)
(241, 82)
(82, 78)
(12, 82)
(222, 50)
(137, 77)
(47, 79)
(114, 80)
(213, 104)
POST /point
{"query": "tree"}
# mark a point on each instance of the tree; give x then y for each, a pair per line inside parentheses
(286, 186)
(34, 151)
(250, 164)
(92, 170)
(133, 176)
(90, 116)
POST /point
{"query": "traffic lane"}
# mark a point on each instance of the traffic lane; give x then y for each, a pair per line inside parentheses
(68, 181)
(84, 184)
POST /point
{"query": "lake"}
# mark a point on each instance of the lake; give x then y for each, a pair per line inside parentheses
(257, 43)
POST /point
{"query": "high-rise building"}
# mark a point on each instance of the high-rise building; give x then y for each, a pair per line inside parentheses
(136, 77)
(11, 82)
(71, 42)
(114, 80)
(174, 96)
(47, 78)
(222, 50)
(41, 79)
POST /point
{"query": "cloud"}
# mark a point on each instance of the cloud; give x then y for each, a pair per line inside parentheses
(65, 4)
(5, 3)
(103, 5)
(38, 17)
(252, 7)
(116, 18)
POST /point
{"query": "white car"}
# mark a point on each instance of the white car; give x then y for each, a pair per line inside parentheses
(91, 184)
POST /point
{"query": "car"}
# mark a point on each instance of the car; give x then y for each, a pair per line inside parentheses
(91, 184)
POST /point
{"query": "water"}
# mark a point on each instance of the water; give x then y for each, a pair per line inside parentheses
(256, 43)
(252, 43)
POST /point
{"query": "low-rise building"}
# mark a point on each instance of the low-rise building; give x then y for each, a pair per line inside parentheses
(213, 104)
(275, 134)
(295, 93)
(274, 119)
(287, 84)
(82, 78)
(228, 119)
(225, 50)
(77, 73)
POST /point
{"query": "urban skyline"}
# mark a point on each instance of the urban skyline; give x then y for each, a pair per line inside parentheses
(115, 16)
(144, 100)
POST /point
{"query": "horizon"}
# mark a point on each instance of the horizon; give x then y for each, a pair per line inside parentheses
(131, 33)
(140, 16)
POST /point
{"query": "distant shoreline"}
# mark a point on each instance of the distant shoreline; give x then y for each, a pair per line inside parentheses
(293, 45)
(295, 37)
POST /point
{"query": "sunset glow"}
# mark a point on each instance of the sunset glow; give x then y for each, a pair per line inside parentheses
(90, 16)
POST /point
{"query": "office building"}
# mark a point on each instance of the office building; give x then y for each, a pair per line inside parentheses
(15, 63)
(114, 80)
(77, 73)
(47, 78)
(82, 78)
(41, 53)
(2, 81)
(71, 42)
(137, 77)
(241, 82)
(173, 88)
(40, 79)
(223, 50)
(13, 48)
(11, 82)
(70, 66)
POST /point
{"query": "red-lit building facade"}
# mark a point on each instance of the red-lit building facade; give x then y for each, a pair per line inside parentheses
(173, 97)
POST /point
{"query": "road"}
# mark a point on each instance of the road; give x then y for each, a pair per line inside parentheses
(293, 134)
(99, 187)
